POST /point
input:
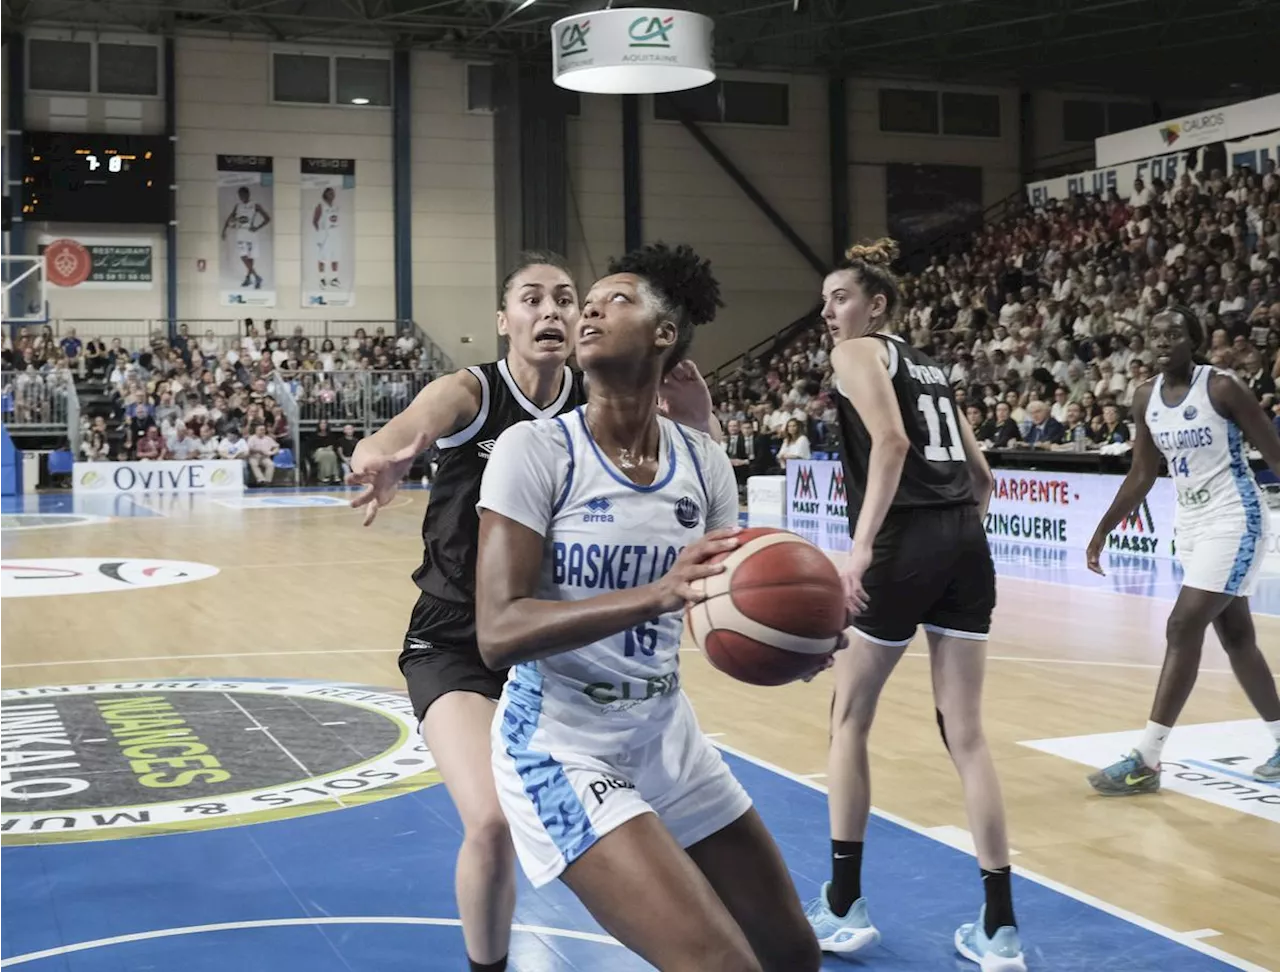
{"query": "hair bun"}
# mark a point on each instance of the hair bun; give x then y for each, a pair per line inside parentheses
(881, 252)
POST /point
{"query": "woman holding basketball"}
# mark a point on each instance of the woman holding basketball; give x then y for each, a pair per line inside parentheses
(451, 689)
(603, 774)
(918, 486)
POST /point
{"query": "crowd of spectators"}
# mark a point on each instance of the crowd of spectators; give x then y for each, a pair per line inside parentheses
(212, 397)
(36, 375)
(1039, 323)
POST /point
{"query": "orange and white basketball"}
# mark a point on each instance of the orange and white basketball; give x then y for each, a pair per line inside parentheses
(774, 614)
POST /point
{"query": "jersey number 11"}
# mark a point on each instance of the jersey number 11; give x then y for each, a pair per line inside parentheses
(935, 451)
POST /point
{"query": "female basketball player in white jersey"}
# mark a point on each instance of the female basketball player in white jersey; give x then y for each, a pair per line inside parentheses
(918, 485)
(452, 690)
(1199, 418)
(592, 527)
(327, 236)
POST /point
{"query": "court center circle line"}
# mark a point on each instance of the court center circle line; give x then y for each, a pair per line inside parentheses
(292, 922)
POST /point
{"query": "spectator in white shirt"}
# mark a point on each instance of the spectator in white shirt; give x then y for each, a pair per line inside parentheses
(261, 450)
(795, 444)
(233, 446)
(183, 445)
(207, 445)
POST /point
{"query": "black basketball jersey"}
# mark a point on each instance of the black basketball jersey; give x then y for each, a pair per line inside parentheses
(935, 473)
(449, 529)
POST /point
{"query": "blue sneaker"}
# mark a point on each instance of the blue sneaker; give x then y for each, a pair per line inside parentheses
(1127, 777)
(841, 936)
(1269, 772)
(1002, 952)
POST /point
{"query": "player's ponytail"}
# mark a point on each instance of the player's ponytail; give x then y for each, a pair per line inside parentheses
(682, 281)
(871, 264)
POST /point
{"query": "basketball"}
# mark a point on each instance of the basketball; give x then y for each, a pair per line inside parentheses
(774, 614)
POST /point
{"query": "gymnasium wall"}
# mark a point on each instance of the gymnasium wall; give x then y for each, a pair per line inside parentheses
(224, 106)
(765, 283)
(454, 240)
(870, 150)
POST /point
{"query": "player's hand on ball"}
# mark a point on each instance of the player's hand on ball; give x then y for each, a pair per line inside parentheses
(677, 585)
(1093, 555)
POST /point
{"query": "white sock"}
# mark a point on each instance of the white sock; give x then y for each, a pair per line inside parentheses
(1152, 744)
(1274, 729)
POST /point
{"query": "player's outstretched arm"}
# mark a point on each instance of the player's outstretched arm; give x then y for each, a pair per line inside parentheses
(1143, 470)
(379, 462)
(1243, 409)
(523, 483)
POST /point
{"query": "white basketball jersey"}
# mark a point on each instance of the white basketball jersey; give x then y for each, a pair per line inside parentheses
(1206, 456)
(244, 213)
(329, 215)
(608, 534)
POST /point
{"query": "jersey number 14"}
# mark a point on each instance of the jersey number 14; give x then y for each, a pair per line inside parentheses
(935, 451)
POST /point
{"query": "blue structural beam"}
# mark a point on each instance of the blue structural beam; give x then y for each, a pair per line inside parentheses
(632, 213)
(171, 229)
(402, 180)
(15, 80)
(838, 165)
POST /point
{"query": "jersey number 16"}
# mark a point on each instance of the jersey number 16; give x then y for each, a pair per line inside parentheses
(935, 451)
(642, 638)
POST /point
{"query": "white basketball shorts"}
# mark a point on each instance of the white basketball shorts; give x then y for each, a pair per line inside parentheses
(244, 247)
(1224, 556)
(560, 803)
(327, 247)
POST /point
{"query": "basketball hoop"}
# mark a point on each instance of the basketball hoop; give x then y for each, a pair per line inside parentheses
(24, 294)
(634, 50)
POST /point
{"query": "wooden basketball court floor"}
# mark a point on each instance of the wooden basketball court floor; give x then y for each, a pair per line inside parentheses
(302, 827)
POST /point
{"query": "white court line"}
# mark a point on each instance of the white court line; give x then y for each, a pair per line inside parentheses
(1181, 938)
(324, 563)
(1031, 660)
(1203, 933)
(267, 732)
(231, 654)
(292, 922)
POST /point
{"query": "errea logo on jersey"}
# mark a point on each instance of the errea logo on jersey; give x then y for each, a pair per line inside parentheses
(485, 448)
(599, 511)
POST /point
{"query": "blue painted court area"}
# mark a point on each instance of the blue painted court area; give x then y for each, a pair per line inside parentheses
(369, 889)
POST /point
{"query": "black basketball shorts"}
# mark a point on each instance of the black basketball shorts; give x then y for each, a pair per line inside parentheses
(440, 655)
(929, 566)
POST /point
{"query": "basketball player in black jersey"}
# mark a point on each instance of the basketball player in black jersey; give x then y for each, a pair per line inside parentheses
(918, 486)
(452, 691)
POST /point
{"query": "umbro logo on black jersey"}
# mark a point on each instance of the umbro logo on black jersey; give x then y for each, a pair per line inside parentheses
(486, 447)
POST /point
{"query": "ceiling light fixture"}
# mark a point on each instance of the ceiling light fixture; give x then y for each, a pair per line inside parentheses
(632, 50)
(359, 101)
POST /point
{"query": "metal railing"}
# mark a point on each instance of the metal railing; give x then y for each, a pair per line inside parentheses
(47, 404)
(365, 399)
(282, 390)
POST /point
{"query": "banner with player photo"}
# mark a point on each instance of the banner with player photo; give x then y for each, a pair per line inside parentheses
(246, 252)
(328, 232)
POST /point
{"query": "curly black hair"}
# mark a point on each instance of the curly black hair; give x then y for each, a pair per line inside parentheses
(683, 282)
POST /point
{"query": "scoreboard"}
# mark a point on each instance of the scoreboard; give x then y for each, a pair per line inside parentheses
(85, 178)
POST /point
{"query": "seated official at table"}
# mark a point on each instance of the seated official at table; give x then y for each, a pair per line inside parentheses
(1045, 430)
